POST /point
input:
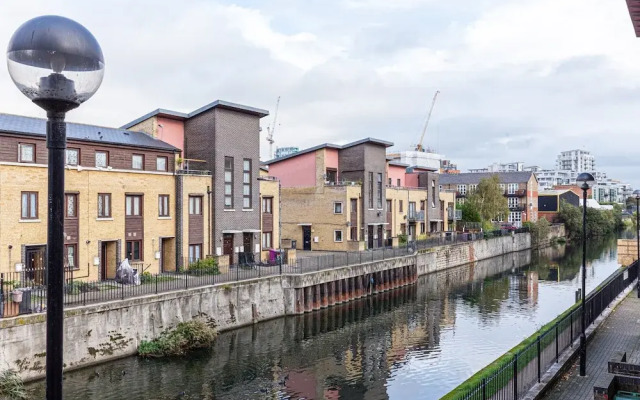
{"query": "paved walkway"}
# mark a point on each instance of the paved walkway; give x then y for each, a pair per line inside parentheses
(621, 331)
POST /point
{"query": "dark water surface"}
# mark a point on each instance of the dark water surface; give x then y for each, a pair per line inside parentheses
(417, 342)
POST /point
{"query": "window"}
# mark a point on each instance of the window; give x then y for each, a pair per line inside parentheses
(354, 233)
(104, 205)
(163, 205)
(502, 187)
(102, 159)
(161, 163)
(400, 208)
(133, 206)
(388, 205)
(379, 191)
(472, 188)
(389, 181)
(440, 188)
(331, 175)
(266, 240)
(512, 188)
(228, 182)
(29, 205)
(71, 256)
(71, 206)
(337, 236)
(337, 207)
(195, 205)
(515, 217)
(462, 189)
(134, 248)
(137, 161)
(460, 200)
(412, 209)
(195, 252)
(433, 194)
(422, 205)
(513, 202)
(398, 182)
(26, 152)
(422, 227)
(72, 156)
(267, 205)
(371, 190)
(246, 183)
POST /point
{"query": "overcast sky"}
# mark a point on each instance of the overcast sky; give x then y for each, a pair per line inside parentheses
(519, 80)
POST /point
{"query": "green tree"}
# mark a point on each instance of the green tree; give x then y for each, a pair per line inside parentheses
(469, 212)
(599, 222)
(488, 199)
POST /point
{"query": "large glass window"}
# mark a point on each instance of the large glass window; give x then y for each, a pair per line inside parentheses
(71, 206)
(102, 159)
(266, 240)
(134, 250)
(161, 163)
(137, 161)
(267, 205)
(379, 191)
(246, 183)
(195, 252)
(228, 182)
(71, 256)
(370, 189)
(195, 205)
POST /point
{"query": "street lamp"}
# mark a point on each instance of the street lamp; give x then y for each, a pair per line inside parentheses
(58, 64)
(584, 180)
(637, 195)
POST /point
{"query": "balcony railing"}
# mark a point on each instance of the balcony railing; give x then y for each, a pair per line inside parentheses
(457, 216)
(517, 207)
(516, 193)
(342, 183)
(192, 172)
(413, 216)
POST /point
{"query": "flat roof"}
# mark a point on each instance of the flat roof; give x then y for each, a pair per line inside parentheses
(227, 105)
(29, 126)
(330, 146)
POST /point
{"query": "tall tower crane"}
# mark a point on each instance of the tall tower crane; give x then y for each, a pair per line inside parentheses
(272, 128)
(419, 146)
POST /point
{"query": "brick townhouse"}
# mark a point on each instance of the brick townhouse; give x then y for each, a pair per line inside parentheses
(124, 198)
(223, 138)
(520, 189)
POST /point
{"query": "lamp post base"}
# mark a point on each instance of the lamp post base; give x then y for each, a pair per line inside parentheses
(583, 355)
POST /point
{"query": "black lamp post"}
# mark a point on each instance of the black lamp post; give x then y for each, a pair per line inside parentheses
(58, 64)
(585, 180)
(636, 193)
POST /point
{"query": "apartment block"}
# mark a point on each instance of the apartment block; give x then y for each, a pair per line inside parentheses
(333, 196)
(121, 200)
(223, 138)
(520, 189)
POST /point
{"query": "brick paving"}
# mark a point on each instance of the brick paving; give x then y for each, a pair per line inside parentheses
(620, 331)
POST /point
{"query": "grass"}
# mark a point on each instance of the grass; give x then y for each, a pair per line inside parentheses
(11, 386)
(184, 337)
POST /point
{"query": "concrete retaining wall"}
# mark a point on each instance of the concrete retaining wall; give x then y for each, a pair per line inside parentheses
(97, 333)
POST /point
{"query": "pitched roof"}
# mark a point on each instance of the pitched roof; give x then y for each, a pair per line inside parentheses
(330, 146)
(476, 177)
(22, 125)
(227, 105)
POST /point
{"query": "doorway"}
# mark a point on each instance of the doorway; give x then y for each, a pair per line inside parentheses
(227, 246)
(370, 237)
(168, 255)
(380, 236)
(306, 237)
(108, 262)
(35, 257)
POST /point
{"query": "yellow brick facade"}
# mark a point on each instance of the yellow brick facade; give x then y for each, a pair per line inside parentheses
(270, 188)
(92, 231)
(448, 198)
(314, 206)
(400, 219)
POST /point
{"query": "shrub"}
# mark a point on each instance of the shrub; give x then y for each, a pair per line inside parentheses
(146, 277)
(11, 386)
(402, 239)
(185, 336)
(208, 266)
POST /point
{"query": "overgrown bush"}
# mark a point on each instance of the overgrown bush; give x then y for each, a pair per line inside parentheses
(539, 230)
(599, 222)
(402, 239)
(207, 266)
(146, 277)
(184, 337)
(11, 386)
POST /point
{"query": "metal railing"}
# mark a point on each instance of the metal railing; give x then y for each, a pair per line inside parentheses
(30, 285)
(511, 379)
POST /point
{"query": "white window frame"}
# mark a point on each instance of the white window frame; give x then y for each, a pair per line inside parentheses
(134, 157)
(267, 242)
(472, 187)
(335, 207)
(335, 236)
(70, 151)
(513, 202)
(106, 160)
(21, 157)
(512, 188)
(462, 189)
(166, 163)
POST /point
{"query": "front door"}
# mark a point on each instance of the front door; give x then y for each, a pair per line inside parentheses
(104, 258)
(306, 238)
(35, 263)
(227, 246)
(370, 237)
(380, 236)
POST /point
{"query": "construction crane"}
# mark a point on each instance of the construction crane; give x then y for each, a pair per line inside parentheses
(272, 128)
(419, 146)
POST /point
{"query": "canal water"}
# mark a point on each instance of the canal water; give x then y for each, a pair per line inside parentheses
(416, 342)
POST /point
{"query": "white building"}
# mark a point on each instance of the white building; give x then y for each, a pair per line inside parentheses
(576, 161)
(517, 166)
(422, 159)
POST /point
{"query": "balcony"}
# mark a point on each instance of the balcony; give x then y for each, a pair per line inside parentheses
(516, 193)
(342, 183)
(192, 172)
(458, 194)
(457, 216)
(413, 216)
(517, 207)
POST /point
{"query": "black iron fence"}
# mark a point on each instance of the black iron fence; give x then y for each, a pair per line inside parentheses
(25, 292)
(514, 376)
